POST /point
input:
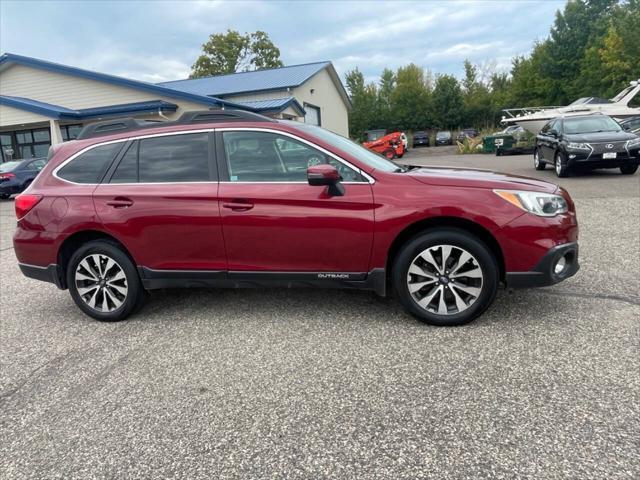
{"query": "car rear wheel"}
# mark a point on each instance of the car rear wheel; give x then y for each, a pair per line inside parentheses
(445, 277)
(104, 282)
(537, 162)
(629, 169)
(561, 168)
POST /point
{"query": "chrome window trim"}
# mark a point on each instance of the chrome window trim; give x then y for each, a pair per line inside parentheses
(125, 140)
(369, 179)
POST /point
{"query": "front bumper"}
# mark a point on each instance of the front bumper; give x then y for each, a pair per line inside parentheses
(543, 274)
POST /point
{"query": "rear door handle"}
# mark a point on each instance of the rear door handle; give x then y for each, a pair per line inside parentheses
(120, 202)
(238, 205)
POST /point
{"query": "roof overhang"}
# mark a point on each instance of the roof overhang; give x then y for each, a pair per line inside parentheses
(63, 113)
(276, 105)
(9, 59)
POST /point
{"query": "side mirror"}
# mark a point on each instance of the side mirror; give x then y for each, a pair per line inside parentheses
(626, 127)
(325, 175)
(553, 133)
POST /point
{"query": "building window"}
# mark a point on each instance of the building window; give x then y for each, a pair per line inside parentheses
(70, 132)
(312, 116)
(33, 143)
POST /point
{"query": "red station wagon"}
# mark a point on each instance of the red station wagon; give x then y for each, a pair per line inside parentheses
(230, 198)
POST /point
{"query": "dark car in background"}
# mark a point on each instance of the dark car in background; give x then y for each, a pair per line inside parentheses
(420, 139)
(586, 142)
(444, 138)
(631, 124)
(17, 175)
(467, 133)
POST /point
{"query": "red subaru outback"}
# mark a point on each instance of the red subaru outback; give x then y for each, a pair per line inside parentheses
(234, 199)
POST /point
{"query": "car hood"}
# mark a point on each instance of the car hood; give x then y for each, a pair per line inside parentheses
(600, 137)
(476, 178)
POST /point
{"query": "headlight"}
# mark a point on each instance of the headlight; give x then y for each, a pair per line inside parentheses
(634, 142)
(578, 146)
(538, 203)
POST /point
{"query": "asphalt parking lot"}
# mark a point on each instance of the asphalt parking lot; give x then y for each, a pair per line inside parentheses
(336, 384)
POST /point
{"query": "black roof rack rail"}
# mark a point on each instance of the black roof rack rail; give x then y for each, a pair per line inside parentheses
(209, 116)
(120, 125)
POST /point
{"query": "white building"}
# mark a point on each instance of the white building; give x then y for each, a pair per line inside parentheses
(43, 103)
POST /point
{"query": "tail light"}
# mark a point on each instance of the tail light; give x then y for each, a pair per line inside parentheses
(24, 204)
(6, 176)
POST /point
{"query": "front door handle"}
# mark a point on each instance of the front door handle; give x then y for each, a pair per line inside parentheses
(237, 205)
(120, 202)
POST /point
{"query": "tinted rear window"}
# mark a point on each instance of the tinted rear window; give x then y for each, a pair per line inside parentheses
(175, 158)
(90, 166)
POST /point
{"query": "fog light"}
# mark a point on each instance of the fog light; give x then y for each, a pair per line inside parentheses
(560, 265)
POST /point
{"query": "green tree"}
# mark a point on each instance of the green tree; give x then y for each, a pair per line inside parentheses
(232, 52)
(447, 102)
(410, 99)
(386, 88)
(364, 99)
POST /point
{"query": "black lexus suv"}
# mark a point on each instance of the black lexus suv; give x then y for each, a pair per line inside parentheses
(586, 142)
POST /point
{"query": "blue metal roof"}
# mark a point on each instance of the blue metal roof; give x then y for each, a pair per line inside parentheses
(243, 82)
(275, 105)
(9, 58)
(59, 112)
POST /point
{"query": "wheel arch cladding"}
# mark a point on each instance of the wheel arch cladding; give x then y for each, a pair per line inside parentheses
(432, 223)
(73, 242)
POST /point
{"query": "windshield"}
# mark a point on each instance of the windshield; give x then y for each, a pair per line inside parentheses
(590, 100)
(352, 148)
(443, 134)
(8, 166)
(590, 125)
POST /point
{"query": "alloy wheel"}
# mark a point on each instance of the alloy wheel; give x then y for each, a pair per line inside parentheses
(536, 159)
(101, 282)
(558, 164)
(445, 279)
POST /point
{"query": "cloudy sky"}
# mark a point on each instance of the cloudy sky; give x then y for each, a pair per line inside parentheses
(159, 40)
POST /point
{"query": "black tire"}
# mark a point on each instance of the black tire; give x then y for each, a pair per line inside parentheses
(135, 295)
(538, 163)
(628, 169)
(560, 166)
(457, 238)
(389, 153)
(4, 196)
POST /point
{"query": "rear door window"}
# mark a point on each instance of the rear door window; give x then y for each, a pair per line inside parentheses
(127, 171)
(90, 166)
(174, 158)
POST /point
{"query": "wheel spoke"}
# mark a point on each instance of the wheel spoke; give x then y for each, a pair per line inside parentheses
(82, 276)
(92, 300)
(414, 287)
(460, 304)
(84, 290)
(427, 256)
(473, 273)
(426, 300)
(464, 258)
(117, 288)
(85, 265)
(113, 298)
(118, 276)
(109, 265)
(474, 291)
(417, 270)
(446, 253)
(96, 261)
(105, 305)
(442, 306)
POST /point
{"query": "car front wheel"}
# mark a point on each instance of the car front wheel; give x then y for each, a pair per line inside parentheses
(629, 169)
(561, 168)
(104, 282)
(445, 277)
(537, 162)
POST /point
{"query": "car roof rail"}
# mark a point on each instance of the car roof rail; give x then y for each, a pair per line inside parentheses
(219, 115)
(120, 125)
